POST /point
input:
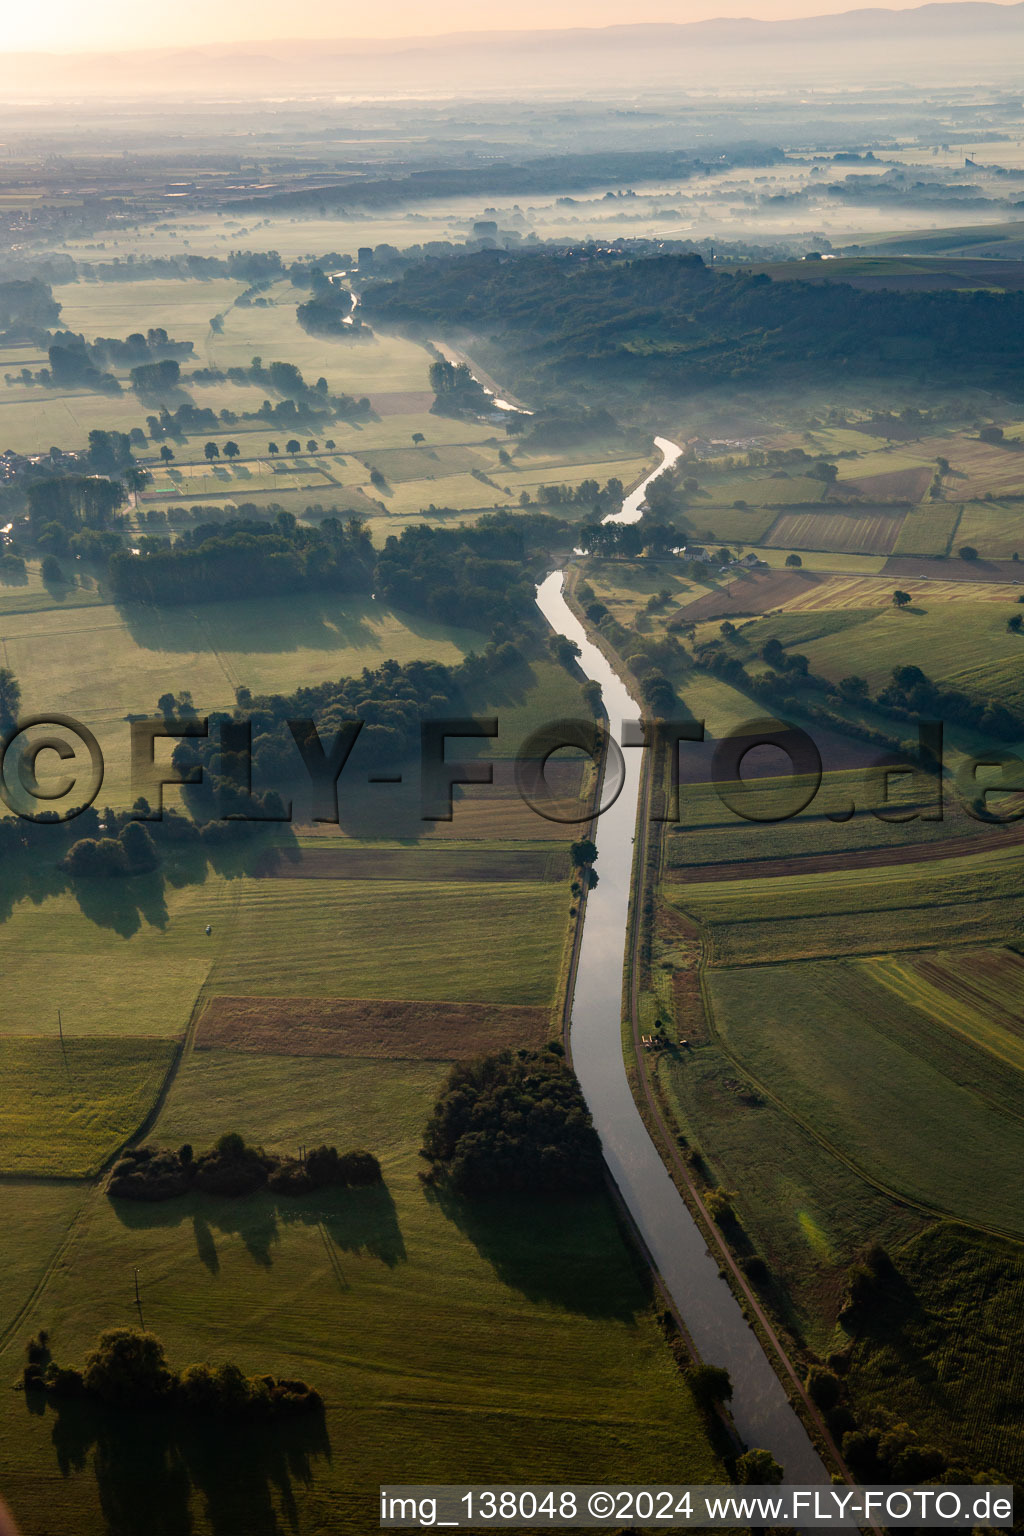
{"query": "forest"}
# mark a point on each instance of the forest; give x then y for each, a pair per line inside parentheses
(671, 320)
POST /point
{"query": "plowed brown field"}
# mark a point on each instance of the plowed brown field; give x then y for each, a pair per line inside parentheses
(417, 1031)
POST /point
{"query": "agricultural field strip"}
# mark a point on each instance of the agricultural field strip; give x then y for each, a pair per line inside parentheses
(321, 860)
(981, 878)
(839, 530)
(854, 592)
(929, 529)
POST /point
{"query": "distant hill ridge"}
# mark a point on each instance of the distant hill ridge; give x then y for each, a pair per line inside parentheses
(979, 29)
(948, 18)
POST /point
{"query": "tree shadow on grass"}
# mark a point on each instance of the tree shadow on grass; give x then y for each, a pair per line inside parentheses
(125, 904)
(357, 1221)
(148, 1464)
(314, 621)
(569, 1252)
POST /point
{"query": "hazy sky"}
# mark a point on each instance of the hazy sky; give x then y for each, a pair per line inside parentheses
(72, 25)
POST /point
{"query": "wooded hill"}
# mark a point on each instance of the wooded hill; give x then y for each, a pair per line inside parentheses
(674, 322)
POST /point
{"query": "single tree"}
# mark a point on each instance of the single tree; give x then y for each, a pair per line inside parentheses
(127, 1369)
(854, 688)
(967, 552)
(1015, 623)
(292, 445)
(231, 450)
(212, 452)
(418, 438)
(758, 1467)
(167, 454)
(583, 852)
(823, 1387)
(711, 1385)
(139, 850)
(330, 444)
(273, 449)
(901, 598)
(311, 445)
(794, 560)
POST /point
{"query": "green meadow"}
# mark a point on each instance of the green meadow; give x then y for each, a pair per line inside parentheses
(446, 1340)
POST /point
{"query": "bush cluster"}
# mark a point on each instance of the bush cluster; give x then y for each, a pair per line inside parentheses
(128, 1370)
(232, 1168)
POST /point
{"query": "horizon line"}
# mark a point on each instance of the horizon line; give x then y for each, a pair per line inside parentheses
(464, 34)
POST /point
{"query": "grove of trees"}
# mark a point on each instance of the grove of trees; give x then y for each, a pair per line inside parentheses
(513, 1123)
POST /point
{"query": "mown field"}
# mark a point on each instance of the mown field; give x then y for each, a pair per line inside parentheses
(728, 524)
(823, 560)
(471, 941)
(117, 957)
(853, 594)
(975, 993)
(713, 843)
(761, 490)
(853, 531)
(42, 1214)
